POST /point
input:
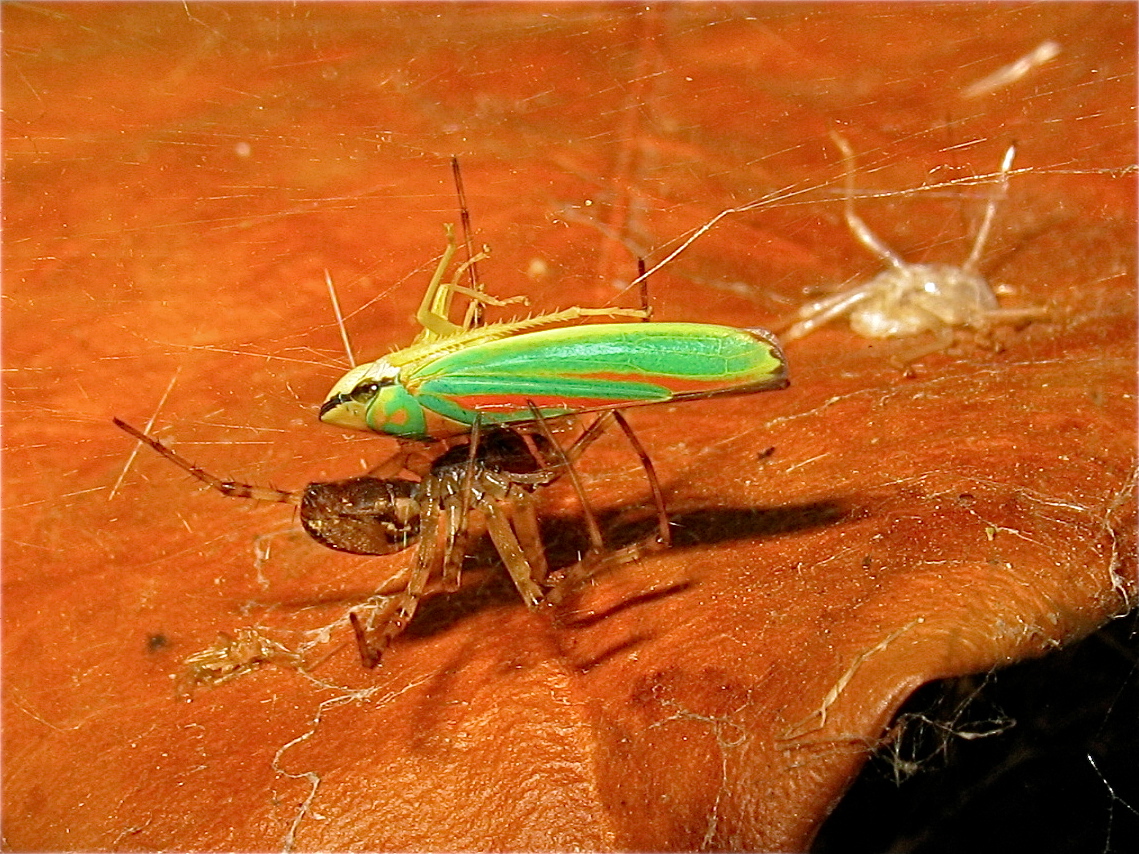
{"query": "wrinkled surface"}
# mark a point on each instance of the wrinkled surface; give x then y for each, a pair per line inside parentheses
(178, 179)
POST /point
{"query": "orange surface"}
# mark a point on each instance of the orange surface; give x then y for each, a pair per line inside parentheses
(177, 180)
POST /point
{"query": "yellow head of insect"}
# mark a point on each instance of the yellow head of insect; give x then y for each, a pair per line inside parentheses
(371, 397)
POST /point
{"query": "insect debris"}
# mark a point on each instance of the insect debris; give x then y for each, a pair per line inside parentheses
(910, 299)
(231, 657)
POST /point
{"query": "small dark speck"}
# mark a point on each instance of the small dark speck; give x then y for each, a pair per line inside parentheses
(766, 454)
(154, 643)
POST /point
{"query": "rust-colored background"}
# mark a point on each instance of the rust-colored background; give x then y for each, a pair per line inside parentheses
(179, 177)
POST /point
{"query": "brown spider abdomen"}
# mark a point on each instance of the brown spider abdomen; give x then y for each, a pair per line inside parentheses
(362, 515)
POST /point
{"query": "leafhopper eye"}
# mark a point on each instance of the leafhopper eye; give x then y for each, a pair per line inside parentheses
(364, 392)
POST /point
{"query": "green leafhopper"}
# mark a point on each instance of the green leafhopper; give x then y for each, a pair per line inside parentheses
(456, 374)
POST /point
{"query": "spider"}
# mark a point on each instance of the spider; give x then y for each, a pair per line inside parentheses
(495, 473)
(908, 299)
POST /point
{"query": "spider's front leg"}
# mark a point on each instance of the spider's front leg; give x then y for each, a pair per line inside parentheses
(232, 488)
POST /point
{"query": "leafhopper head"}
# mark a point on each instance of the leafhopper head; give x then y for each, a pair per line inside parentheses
(370, 397)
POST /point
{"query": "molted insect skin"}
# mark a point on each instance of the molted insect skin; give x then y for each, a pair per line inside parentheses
(922, 298)
(908, 299)
(362, 515)
(570, 370)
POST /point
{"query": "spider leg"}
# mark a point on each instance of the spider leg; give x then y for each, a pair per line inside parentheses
(459, 532)
(1015, 315)
(458, 518)
(588, 437)
(525, 524)
(943, 340)
(595, 539)
(426, 559)
(568, 580)
(664, 531)
(665, 535)
(506, 542)
(225, 487)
